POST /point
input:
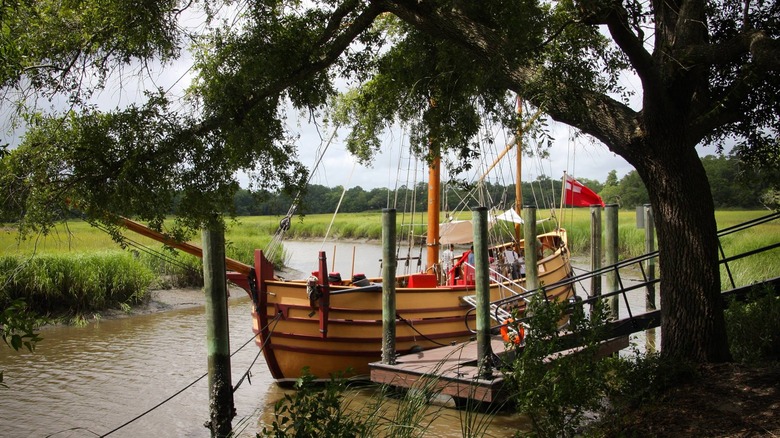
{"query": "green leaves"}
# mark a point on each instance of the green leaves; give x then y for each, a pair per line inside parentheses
(18, 325)
(314, 410)
(70, 46)
(557, 393)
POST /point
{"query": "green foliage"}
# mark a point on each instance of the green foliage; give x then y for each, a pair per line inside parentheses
(322, 409)
(56, 46)
(18, 328)
(556, 395)
(18, 325)
(313, 411)
(753, 326)
(771, 199)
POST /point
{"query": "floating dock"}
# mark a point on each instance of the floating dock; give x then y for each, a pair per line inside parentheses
(453, 370)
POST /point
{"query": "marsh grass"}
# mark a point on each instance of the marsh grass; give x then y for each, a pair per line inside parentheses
(74, 284)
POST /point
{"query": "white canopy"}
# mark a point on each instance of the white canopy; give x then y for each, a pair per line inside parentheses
(456, 232)
(509, 216)
(459, 231)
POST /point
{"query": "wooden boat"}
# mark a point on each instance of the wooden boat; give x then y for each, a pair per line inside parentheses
(342, 330)
(336, 326)
(333, 325)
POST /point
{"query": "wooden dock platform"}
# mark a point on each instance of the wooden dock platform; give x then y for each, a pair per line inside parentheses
(453, 370)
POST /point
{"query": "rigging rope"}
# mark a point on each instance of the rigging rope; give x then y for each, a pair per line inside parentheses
(262, 347)
(276, 241)
(338, 206)
(124, 240)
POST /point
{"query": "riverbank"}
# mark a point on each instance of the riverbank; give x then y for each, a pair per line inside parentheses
(162, 300)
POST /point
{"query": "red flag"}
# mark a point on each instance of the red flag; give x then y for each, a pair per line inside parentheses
(578, 195)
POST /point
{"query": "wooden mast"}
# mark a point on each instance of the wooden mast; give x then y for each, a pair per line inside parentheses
(434, 206)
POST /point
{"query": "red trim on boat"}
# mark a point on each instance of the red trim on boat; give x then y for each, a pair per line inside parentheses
(374, 340)
(371, 322)
(285, 308)
(264, 271)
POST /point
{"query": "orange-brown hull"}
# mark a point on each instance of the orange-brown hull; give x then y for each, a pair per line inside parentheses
(294, 334)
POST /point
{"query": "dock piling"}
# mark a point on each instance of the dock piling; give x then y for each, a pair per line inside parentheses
(481, 260)
(388, 286)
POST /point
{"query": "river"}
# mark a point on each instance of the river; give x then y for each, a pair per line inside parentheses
(88, 381)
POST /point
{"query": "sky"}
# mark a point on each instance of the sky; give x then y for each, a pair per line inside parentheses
(579, 157)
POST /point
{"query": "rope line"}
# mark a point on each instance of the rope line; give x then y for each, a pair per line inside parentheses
(408, 323)
(247, 374)
(275, 320)
(146, 249)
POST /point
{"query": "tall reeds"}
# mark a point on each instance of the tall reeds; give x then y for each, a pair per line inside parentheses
(74, 283)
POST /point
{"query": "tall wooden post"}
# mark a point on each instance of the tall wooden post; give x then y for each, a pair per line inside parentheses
(388, 286)
(611, 255)
(221, 405)
(650, 269)
(595, 249)
(482, 278)
(531, 248)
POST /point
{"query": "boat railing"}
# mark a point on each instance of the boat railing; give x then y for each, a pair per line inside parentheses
(504, 283)
(626, 273)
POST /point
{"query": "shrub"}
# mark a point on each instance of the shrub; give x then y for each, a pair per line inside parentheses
(753, 327)
(311, 411)
(556, 395)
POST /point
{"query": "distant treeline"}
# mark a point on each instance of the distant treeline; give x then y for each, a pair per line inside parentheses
(733, 187)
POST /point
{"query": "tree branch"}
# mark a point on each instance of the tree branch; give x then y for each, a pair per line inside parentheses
(727, 109)
(765, 51)
(632, 46)
(611, 121)
(330, 53)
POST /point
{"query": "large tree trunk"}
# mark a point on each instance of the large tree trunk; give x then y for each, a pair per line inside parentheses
(692, 324)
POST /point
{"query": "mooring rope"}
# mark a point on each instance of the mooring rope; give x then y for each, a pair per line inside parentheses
(276, 319)
(408, 323)
(248, 373)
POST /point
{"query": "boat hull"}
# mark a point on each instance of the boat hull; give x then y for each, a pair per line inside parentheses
(345, 335)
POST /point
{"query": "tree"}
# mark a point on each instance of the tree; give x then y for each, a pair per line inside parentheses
(611, 192)
(710, 72)
(632, 190)
(734, 183)
(143, 159)
(707, 71)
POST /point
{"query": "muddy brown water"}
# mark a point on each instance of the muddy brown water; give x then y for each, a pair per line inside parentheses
(88, 381)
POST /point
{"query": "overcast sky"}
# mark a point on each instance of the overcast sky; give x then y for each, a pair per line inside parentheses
(580, 157)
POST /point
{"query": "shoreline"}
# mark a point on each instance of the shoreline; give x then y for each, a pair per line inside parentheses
(165, 300)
